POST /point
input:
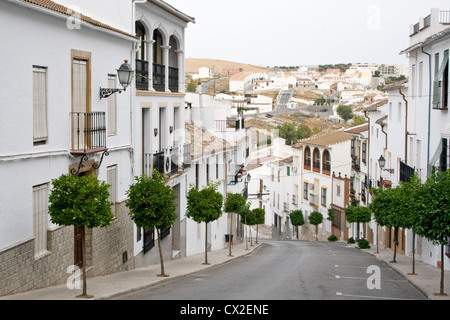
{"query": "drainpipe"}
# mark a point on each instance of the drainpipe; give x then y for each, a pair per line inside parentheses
(406, 124)
(429, 108)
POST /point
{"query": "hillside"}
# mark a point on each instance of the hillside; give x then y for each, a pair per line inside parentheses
(192, 65)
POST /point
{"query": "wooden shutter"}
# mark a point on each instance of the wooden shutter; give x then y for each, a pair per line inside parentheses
(40, 206)
(40, 124)
(112, 107)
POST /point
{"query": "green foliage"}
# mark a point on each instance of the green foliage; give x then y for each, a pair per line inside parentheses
(358, 120)
(151, 202)
(288, 132)
(234, 202)
(260, 215)
(332, 238)
(191, 86)
(350, 240)
(80, 201)
(315, 218)
(204, 205)
(363, 244)
(345, 112)
(297, 218)
(432, 202)
(358, 214)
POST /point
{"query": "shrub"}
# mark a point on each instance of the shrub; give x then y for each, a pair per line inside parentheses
(332, 238)
(363, 244)
(350, 240)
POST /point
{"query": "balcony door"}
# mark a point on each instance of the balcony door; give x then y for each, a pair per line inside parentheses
(81, 100)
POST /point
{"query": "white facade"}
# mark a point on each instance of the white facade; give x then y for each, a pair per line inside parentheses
(60, 79)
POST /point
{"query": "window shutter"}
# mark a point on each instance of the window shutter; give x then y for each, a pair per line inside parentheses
(111, 179)
(112, 107)
(40, 208)
(40, 130)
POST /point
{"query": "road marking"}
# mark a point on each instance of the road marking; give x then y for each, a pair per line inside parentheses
(356, 278)
(370, 297)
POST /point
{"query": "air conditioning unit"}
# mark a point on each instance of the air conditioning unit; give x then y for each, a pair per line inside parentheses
(167, 162)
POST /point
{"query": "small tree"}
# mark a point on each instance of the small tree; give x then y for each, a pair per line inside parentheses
(297, 219)
(260, 216)
(433, 216)
(345, 112)
(191, 86)
(246, 214)
(152, 206)
(358, 214)
(80, 202)
(234, 203)
(316, 218)
(204, 206)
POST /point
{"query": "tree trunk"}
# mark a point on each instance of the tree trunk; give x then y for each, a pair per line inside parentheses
(257, 227)
(414, 255)
(206, 243)
(317, 232)
(395, 244)
(231, 234)
(441, 292)
(83, 248)
(161, 255)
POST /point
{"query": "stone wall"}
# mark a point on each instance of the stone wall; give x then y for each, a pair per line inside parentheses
(21, 271)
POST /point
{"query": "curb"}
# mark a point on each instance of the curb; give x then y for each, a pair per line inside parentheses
(168, 279)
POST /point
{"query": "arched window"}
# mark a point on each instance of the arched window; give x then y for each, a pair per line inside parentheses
(326, 164)
(307, 158)
(316, 159)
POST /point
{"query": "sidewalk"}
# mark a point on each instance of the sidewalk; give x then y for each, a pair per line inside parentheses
(104, 287)
(427, 278)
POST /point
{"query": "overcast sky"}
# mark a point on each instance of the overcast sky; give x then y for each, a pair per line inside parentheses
(299, 32)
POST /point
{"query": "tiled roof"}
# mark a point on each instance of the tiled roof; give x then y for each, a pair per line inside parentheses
(358, 129)
(203, 142)
(327, 139)
(50, 5)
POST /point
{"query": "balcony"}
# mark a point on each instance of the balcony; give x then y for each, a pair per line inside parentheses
(88, 132)
(159, 77)
(313, 200)
(229, 125)
(286, 206)
(168, 161)
(236, 176)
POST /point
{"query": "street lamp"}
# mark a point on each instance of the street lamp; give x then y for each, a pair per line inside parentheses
(382, 163)
(125, 75)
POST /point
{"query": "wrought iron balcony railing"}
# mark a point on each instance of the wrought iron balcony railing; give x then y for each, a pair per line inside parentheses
(167, 161)
(88, 132)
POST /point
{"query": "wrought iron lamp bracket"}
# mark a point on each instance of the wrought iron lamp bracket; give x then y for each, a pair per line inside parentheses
(106, 92)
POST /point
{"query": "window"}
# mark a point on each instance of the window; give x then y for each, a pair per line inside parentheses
(390, 110)
(440, 83)
(413, 81)
(40, 220)
(399, 112)
(112, 107)
(111, 179)
(326, 166)
(323, 197)
(420, 84)
(305, 190)
(40, 124)
(317, 159)
(364, 152)
(338, 191)
(307, 157)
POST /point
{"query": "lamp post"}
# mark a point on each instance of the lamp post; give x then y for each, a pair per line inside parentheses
(382, 163)
(125, 75)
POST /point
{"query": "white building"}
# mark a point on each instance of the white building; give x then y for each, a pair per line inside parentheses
(159, 118)
(417, 121)
(321, 182)
(55, 123)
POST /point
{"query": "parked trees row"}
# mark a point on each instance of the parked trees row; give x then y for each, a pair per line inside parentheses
(83, 201)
